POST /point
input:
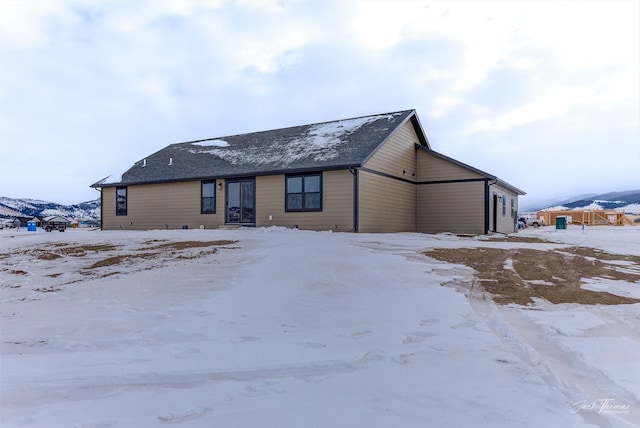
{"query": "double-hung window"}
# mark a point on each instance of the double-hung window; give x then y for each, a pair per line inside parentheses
(121, 201)
(208, 197)
(303, 192)
(513, 208)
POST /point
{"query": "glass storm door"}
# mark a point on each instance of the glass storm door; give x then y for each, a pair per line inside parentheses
(241, 201)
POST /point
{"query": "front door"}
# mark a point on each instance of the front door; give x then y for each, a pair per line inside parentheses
(241, 201)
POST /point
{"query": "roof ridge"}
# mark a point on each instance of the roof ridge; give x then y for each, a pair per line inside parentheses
(354, 118)
(291, 127)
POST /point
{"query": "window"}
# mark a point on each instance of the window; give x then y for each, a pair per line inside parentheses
(504, 206)
(513, 208)
(208, 197)
(121, 201)
(303, 192)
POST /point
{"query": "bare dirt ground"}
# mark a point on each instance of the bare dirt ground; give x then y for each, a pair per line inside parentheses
(509, 275)
(519, 275)
(71, 263)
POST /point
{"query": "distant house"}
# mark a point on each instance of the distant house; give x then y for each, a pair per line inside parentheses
(56, 219)
(368, 174)
(17, 221)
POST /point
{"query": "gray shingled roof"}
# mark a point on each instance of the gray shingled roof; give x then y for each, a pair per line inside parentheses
(322, 146)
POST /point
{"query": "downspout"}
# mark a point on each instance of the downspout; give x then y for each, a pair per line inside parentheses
(354, 172)
(101, 209)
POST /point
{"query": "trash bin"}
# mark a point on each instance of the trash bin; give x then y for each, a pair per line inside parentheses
(561, 222)
(31, 226)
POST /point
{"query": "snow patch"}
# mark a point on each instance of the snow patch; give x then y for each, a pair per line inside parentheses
(508, 265)
(319, 144)
(539, 282)
(612, 286)
(211, 143)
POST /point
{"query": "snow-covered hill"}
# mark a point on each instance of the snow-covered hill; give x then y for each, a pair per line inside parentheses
(11, 207)
(628, 200)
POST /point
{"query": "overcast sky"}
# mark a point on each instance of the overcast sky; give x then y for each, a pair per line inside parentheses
(543, 94)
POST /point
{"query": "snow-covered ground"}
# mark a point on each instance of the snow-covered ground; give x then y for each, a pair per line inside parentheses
(287, 328)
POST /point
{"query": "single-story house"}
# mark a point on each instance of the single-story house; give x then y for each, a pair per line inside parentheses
(17, 222)
(57, 220)
(367, 174)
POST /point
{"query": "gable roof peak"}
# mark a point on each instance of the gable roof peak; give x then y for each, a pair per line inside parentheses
(378, 115)
(336, 144)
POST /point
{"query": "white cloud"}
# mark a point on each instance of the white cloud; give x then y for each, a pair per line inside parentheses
(380, 25)
(546, 107)
(588, 35)
(27, 24)
(136, 75)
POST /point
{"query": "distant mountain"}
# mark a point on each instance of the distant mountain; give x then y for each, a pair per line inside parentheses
(628, 200)
(10, 207)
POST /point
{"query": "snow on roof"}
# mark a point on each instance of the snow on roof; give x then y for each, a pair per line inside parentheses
(113, 178)
(55, 218)
(212, 143)
(319, 143)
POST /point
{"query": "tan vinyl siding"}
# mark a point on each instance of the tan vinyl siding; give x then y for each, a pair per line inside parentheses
(108, 208)
(451, 207)
(433, 168)
(385, 204)
(397, 156)
(337, 203)
(505, 223)
(161, 206)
